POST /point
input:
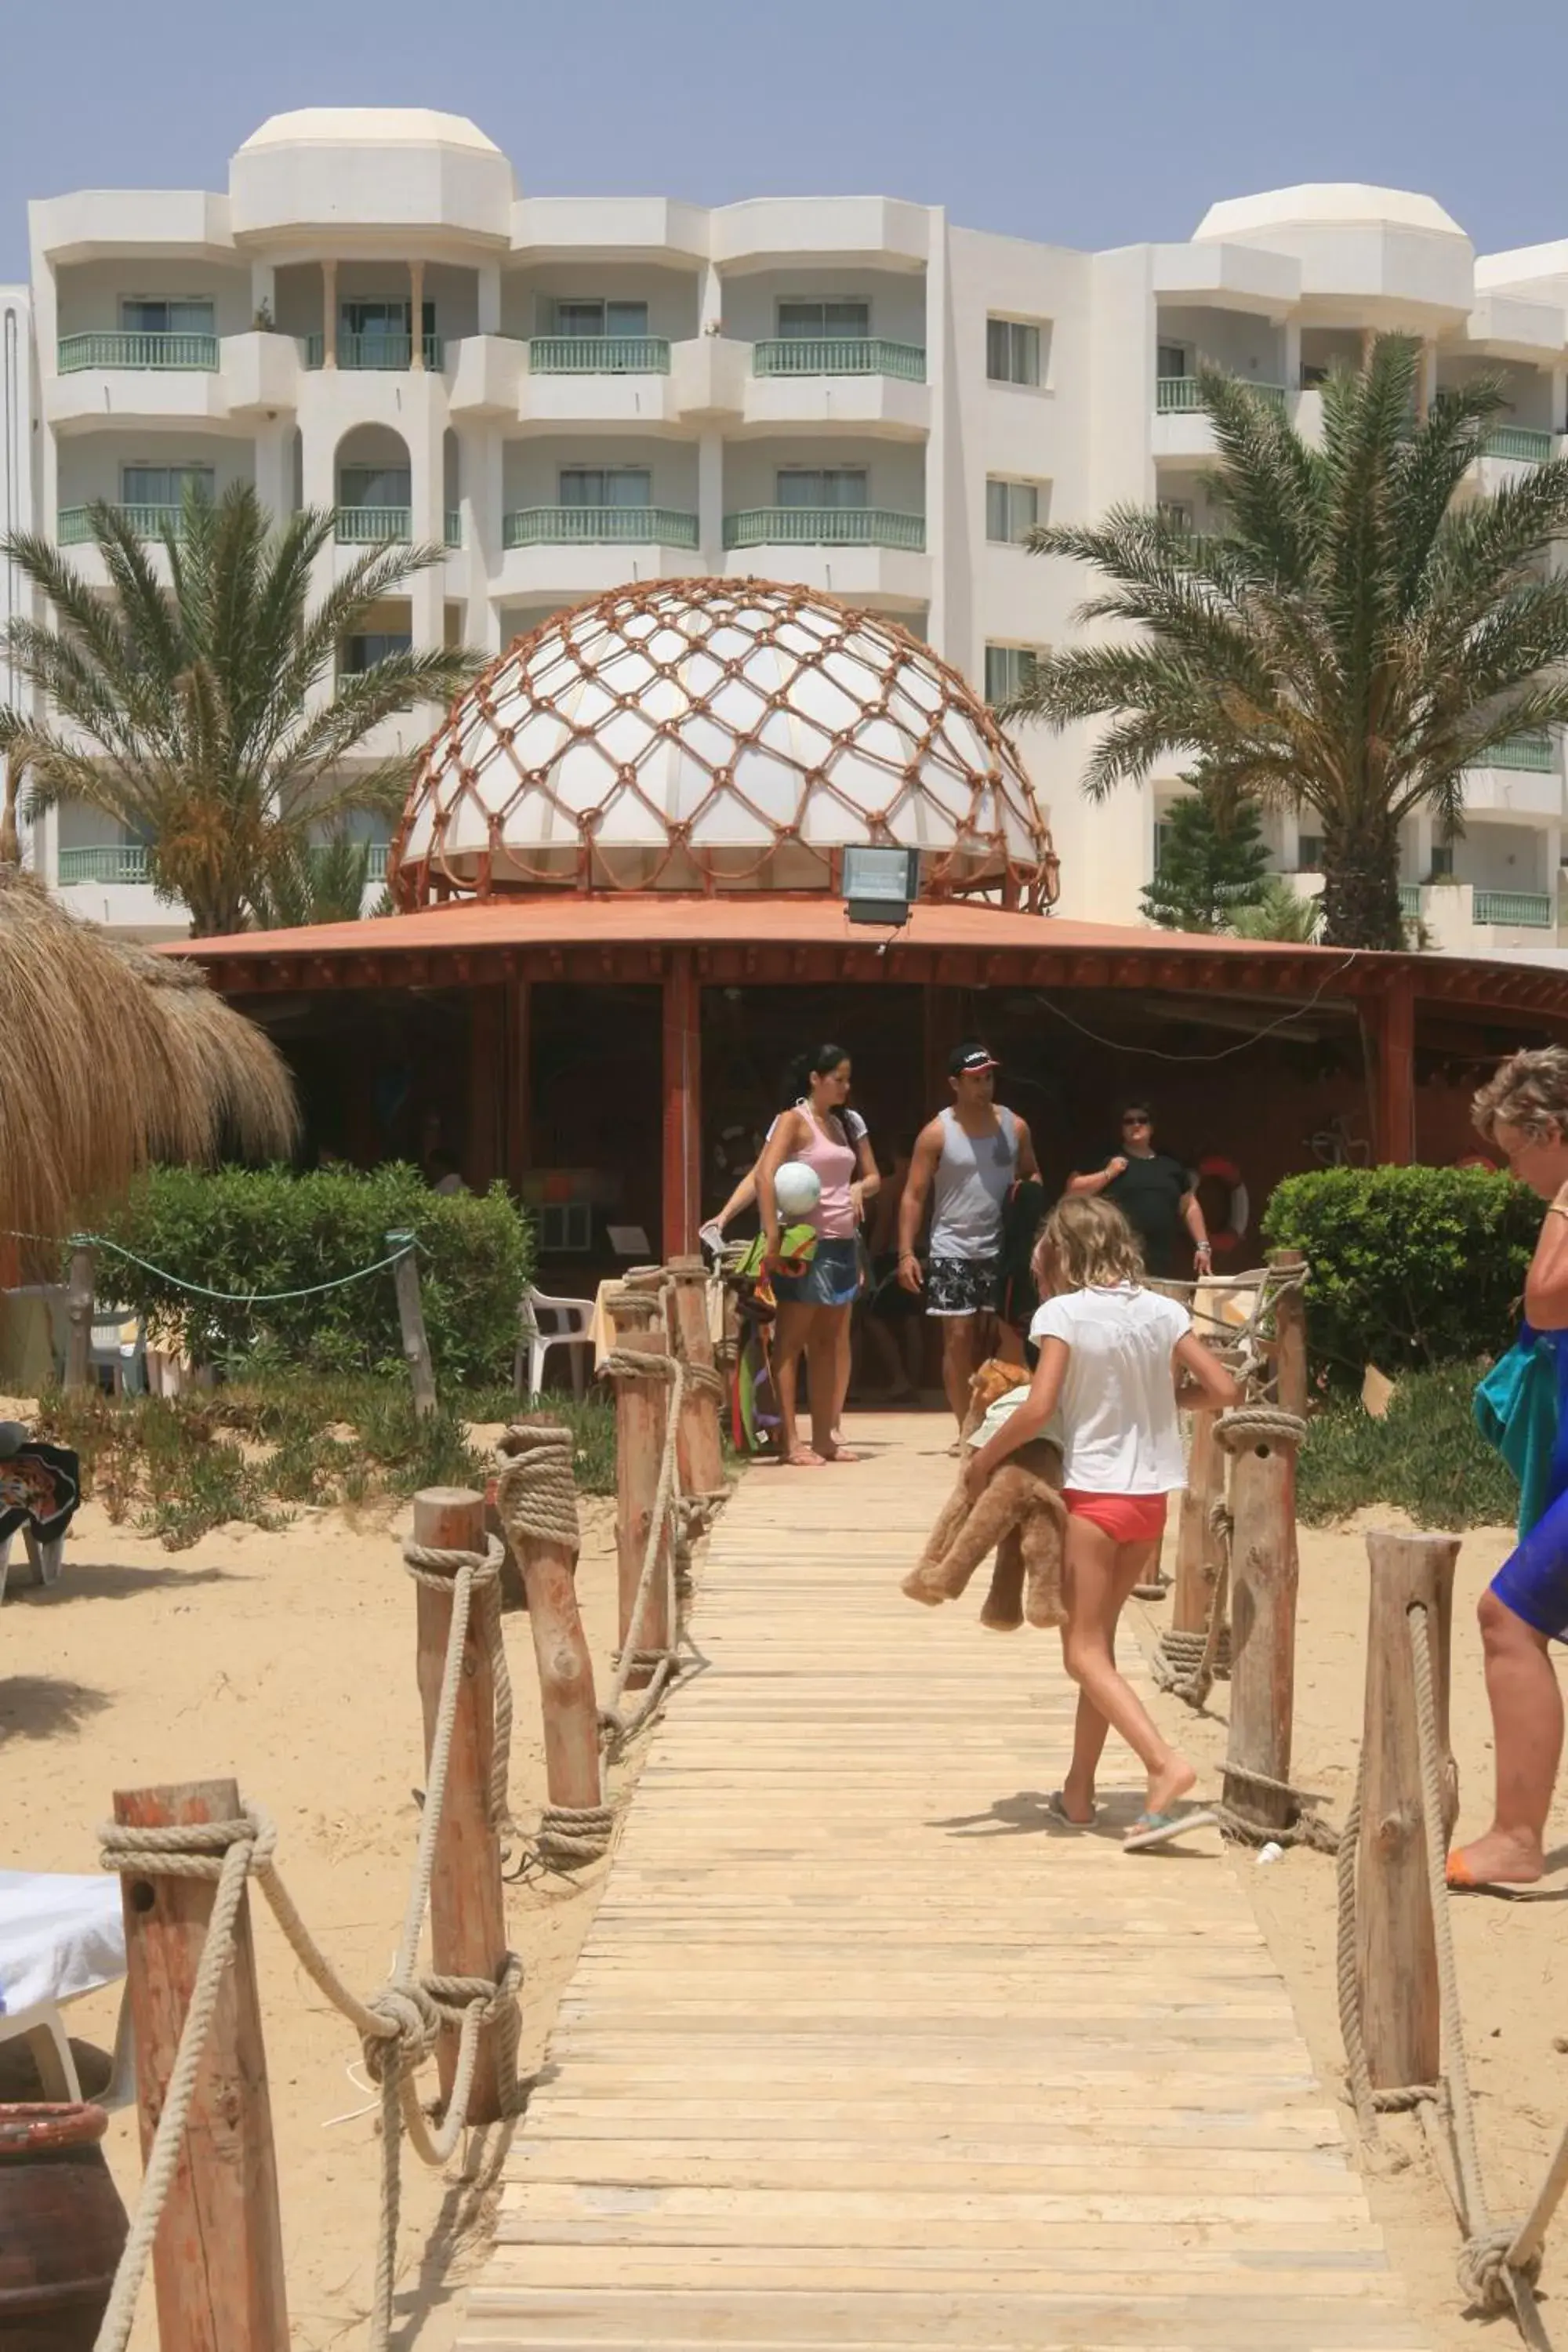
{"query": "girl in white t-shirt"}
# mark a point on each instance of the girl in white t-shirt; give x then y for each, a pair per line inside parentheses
(1117, 1360)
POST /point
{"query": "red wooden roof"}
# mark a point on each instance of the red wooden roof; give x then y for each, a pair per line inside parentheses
(736, 937)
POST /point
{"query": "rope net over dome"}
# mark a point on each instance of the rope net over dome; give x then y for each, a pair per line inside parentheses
(718, 734)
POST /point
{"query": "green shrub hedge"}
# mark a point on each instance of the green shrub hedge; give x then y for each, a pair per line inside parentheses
(1409, 1266)
(245, 1231)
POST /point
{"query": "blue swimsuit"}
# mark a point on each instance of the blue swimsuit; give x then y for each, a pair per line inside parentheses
(1533, 1579)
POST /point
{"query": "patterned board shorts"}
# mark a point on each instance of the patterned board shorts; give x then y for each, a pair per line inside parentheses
(964, 1286)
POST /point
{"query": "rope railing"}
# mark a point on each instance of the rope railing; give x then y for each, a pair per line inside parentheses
(399, 2025)
(201, 1289)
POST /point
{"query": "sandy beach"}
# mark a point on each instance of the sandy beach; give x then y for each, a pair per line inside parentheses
(288, 1659)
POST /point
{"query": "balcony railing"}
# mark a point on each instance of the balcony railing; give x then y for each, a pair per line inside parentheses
(599, 527)
(1535, 751)
(839, 355)
(116, 861)
(158, 350)
(454, 527)
(1524, 911)
(825, 527)
(373, 526)
(75, 526)
(1182, 395)
(598, 355)
(393, 352)
(1524, 442)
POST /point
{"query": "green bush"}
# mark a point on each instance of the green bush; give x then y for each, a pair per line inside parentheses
(1409, 1266)
(244, 1230)
(1426, 1456)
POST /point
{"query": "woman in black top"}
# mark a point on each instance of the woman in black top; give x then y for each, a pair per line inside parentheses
(1154, 1193)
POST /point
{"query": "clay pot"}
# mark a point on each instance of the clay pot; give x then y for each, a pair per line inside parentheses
(62, 2226)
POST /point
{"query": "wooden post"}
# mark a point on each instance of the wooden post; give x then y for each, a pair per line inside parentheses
(487, 1091)
(411, 1317)
(1396, 1951)
(642, 1413)
(1197, 1547)
(79, 1316)
(682, 1113)
(217, 2259)
(1263, 1577)
(468, 1907)
(519, 1080)
(1393, 1075)
(567, 1699)
(1289, 1339)
(697, 1450)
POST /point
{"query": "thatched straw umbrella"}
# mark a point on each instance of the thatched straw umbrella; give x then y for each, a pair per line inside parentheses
(114, 1058)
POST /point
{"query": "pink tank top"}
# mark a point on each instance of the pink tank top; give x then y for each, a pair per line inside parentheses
(834, 1165)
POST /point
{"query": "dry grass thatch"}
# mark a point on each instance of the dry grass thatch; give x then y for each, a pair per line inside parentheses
(115, 1058)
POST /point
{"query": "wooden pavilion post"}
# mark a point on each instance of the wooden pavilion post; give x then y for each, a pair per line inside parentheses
(1263, 1578)
(682, 1105)
(1393, 1039)
(1289, 1338)
(642, 1413)
(518, 1063)
(487, 1087)
(1197, 1545)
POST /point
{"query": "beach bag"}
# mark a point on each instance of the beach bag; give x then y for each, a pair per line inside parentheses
(1515, 1409)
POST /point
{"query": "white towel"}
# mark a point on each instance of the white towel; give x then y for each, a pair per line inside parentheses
(60, 1936)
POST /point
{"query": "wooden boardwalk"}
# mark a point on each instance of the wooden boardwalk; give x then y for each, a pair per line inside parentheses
(865, 2050)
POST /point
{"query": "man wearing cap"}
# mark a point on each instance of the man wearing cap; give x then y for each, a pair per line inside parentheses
(966, 1162)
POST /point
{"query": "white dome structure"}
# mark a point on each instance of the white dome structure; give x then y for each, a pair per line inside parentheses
(718, 734)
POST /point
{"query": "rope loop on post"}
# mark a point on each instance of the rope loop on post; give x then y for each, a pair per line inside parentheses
(411, 2021)
(637, 1364)
(536, 1493)
(1258, 1424)
(197, 1851)
(1485, 2274)
(438, 1569)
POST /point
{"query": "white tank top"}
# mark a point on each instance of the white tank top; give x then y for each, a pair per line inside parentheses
(974, 1177)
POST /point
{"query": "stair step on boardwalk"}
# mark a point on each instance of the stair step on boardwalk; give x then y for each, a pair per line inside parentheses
(865, 2050)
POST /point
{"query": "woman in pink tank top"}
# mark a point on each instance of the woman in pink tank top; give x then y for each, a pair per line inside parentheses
(814, 1305)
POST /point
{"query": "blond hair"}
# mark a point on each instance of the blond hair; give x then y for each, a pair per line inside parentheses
(1528, 1091)
(1086, 1243)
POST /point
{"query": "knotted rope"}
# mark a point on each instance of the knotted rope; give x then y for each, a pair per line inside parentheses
(664, 1536)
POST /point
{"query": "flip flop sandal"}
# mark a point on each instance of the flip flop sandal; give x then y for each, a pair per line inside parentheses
(1159, 1829)
(1059, 1806)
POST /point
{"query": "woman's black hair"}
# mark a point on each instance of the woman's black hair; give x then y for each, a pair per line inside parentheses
(806, 1066)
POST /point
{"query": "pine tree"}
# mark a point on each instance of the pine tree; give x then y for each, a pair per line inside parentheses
(1213, 863)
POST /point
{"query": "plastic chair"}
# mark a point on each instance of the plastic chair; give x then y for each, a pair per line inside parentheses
(575, 1320)
(43, 2029)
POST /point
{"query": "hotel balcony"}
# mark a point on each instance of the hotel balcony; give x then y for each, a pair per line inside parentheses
(1520, 778)
(74, 528)
(839, 355)
(1180, 427)
(598, 355)
(1462, 918)
(825, 527)
(599, 527)
(855, 551)
(376, 526)
(569, 551)
(136, 352)
(115, 862)
(384, 354)
(837, 381)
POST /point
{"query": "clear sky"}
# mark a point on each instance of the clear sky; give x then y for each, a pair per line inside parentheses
(1082, 122)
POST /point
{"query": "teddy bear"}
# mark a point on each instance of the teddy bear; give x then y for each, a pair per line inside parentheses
(1020, 1516)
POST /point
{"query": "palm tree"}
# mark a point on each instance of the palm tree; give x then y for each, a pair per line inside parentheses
(1278, 913)
(207, 714)
(322, 883)
(1352, 636)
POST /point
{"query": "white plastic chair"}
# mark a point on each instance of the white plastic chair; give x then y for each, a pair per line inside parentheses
(575, 1320)
(43, 2029)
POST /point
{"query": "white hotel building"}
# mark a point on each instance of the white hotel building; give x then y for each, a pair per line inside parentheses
(847, 391)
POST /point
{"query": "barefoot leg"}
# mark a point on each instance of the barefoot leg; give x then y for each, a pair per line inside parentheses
(1527, 1728)
(1100, 1575)
(790, 1334)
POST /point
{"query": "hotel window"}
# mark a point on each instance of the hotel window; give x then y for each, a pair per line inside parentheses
(596, 320)
(373, 486)
(1172, 360)
(1309, 853)
(1012, 352)
(162, 486)
(1177, 512)
(606, 486)
(1442, 861)
(142, 314)
(817, 321)
(364, 652)
(1011, 510)
(1008, 669)
(826, 486)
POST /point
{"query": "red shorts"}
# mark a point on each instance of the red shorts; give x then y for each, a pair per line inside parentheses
(1126, 1518)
